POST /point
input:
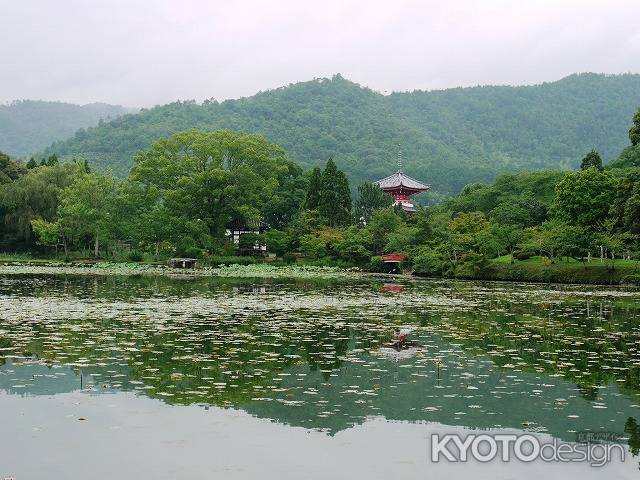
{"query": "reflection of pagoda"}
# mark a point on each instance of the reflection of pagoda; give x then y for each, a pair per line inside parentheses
(401, 187)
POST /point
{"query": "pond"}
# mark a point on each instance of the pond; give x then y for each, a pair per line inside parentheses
(105, 376)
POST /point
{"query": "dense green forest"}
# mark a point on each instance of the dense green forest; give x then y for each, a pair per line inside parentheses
(448, 138)
(185, 191)
(29, 126)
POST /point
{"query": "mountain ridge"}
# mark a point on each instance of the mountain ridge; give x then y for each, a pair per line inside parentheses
(446, 137)
(29, 126)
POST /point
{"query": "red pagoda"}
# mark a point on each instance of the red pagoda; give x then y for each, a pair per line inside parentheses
(401, 187)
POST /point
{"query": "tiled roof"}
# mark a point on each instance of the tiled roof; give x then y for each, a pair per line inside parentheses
(399, 179)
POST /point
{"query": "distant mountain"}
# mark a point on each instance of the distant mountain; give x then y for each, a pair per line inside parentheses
(29, 126)
(448, 138)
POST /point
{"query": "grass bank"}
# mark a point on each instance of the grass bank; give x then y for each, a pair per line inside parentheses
(564, 270)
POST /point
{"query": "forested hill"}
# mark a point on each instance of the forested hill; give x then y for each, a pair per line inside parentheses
(448, 138)
(29, 126)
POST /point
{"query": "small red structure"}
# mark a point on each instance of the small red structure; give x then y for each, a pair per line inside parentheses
(394, 258)
(392, 288)
(401, 187)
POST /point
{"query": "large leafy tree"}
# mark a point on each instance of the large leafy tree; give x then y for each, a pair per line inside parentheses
(584, 197)
(285, 203)
(88, 208)
(206, 179)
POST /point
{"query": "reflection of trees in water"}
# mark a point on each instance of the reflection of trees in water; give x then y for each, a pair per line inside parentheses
(555, 338)
(220, 361)
(129, 287)
(5, 343)
(632, 429)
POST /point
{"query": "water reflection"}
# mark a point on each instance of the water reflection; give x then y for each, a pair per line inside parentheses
(553, 360)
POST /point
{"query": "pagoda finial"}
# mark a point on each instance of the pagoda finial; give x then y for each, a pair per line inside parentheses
(399, 159)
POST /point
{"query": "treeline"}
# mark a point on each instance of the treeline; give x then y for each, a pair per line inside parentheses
(449, 138)
(185, 191)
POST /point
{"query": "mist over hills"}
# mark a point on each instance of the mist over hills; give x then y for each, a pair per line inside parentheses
(448, 138)
(29, 126)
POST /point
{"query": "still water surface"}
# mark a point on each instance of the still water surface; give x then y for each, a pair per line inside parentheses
(154, 377)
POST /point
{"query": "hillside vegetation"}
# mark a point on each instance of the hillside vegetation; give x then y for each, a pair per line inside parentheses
(187, 192)
(448, 138)
(29, 126)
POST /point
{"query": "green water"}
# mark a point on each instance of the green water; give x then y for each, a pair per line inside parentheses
(176, 378)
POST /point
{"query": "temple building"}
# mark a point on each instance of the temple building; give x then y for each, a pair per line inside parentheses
(401, 187)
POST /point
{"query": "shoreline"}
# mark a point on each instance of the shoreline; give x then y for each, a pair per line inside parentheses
(504, 275)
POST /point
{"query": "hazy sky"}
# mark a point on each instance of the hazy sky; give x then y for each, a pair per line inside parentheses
(144, 52)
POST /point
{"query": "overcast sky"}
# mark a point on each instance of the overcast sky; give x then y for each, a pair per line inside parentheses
(146, 52)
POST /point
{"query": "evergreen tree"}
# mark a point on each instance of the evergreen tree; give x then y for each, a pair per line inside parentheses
(313, 192)
(343, 214)
(591, 159)
(50, 161)
(32, 163)
(335, 197)
(634, 131)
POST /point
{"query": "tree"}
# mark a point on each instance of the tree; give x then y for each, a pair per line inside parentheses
(505, 238)
(402, 239)
(287, 200)
(556, 239)
(31, 196)
(466, 233)
(584, 197)
(277, 241)
(9, 169)
(335, 196)
(634, 131)
(48, 233)
(383, 223)
(429, 262)
(50, 161)
(625, 210)
(355, 245)
(312, 246)
(87, 208)
(206, 179)
(312, 200)
(592, 159)
(370, 198)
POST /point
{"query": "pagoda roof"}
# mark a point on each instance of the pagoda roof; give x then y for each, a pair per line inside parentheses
(399, 179)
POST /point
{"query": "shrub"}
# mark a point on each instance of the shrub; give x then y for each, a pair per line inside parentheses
(216, 261)
(632, 279)
(289, 258)
(376, 264)
(135, 256)
(524, 255)
(192, 252)
(428, 262)
(472, 265)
